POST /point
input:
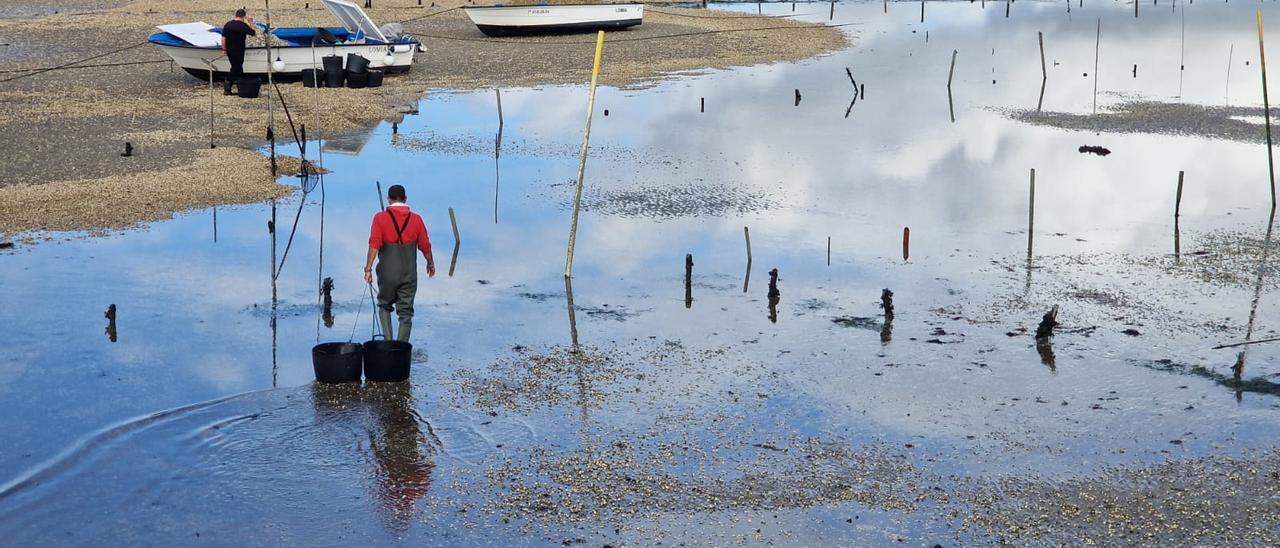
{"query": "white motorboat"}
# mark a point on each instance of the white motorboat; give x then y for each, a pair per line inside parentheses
(516, 20)
(197, 47)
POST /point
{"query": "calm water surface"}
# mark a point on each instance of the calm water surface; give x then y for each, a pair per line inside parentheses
(201, 422)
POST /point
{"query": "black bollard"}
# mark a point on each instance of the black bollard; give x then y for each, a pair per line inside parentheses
(702, 107)
(128, 149)
(797, 97)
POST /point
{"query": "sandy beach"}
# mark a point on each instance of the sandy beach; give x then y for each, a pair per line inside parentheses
(69, 127)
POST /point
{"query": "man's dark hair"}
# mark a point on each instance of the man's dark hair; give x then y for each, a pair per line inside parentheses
(241, 13)
(396, 192)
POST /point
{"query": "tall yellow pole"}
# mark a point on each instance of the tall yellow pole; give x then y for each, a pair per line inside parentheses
(582, 157)
(1266, 108)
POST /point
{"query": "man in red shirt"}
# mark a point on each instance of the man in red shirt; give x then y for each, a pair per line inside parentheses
(397, 234)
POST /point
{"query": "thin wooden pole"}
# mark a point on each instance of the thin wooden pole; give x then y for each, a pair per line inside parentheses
(828, 250)
(582, 157)
(1177, 204)
(1044, 71)
(1226, 95)
(453, 221)
(921, 11)
(1266, 106)
(688, 280)
(211, 104)
(1031, 214)
(271, 114)
(498, 92)
(1096, 47)
(951, 73)
(746, 233)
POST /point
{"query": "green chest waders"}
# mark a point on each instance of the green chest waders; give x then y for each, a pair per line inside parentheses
(397, 280)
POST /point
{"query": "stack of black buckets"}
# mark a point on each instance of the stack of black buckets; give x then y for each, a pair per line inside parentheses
(356, 74)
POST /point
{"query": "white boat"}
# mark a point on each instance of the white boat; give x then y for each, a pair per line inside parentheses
(515, 20)
(197, 47)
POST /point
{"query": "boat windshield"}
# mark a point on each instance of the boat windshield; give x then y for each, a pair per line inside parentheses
(354, 18)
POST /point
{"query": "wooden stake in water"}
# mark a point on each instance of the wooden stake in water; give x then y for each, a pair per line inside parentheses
(828, 250)
(1266, 106)
(1097, 44)
(1044, 71)
(688, 280)
(582, 157)
(1177, 204)
(498, 92)
(906, 243)
(921, 11)
(453, 221)
(746, 233)
(1226, 94)
(950, 74)
(1031, 214)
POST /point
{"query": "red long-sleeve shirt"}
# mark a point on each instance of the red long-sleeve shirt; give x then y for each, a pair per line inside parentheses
(383, 231)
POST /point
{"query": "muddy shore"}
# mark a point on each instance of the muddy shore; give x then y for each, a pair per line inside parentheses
(69, 127)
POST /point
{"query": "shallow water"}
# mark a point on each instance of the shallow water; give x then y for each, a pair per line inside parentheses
(706, 422)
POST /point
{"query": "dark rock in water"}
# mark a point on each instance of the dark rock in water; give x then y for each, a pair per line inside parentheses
(857, 322)
(6, 245)
(1131, 332)
(1090, 149)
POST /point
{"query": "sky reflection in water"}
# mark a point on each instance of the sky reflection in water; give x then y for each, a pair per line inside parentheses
(195, 316)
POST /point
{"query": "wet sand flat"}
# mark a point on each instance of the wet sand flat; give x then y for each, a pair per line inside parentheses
(71, 125)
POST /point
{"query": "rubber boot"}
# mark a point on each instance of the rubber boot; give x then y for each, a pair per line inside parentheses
(406, 327)
(384, 318)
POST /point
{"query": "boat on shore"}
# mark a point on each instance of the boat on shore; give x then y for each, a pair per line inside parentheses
(197, 47)
(554, 19)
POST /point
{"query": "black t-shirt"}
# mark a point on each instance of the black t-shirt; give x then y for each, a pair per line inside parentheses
(235, 32)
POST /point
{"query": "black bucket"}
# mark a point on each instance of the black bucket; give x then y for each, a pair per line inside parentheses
(309, 78)
(357, 64)
(332, 63)
(334, 79)
(248, 87)
(375, 77)
(387, 361)
(337, 362)
(357, 79)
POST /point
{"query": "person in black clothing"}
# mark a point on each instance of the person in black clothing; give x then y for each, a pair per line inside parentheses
(233, 37)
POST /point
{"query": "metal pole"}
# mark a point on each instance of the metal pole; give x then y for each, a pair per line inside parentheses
(582, 157)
